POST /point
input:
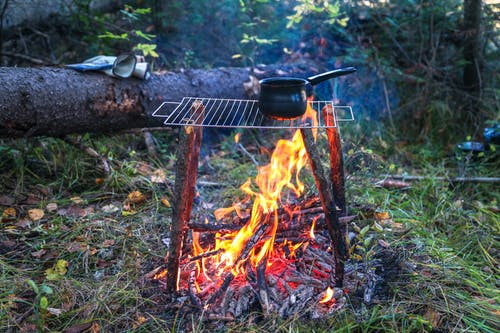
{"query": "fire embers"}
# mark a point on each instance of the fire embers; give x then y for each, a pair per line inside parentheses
(296, 278)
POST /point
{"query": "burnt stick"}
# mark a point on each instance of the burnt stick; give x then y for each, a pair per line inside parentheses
(336, 159)
(329, 206)
(188, 152)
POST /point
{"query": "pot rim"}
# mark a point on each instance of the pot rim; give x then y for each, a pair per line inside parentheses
(283, 82)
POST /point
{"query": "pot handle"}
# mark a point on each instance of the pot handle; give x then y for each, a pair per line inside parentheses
(313, 80)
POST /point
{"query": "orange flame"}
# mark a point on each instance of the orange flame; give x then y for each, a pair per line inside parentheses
(280, 175)
(313, 225)
(328, 295)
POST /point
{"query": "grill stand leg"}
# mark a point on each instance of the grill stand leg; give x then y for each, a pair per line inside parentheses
(336, 160)
(334, 226)
(188, 152)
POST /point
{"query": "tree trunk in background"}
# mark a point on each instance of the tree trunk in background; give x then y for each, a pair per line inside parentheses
(57, 101)
(472, 55)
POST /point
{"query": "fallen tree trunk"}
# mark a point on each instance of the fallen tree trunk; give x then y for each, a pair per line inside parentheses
(57, 101)
(53, 101)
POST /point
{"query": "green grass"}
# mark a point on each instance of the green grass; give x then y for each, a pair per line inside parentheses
(446, 237)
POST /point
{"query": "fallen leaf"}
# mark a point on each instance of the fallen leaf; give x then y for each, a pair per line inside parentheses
(108, 243)
(76, 247)
(38, 254)
(54, 311)
(95, 328)
(143, 168)
(9, 213)
(158, 176)
(57, 271)
(140, 319)
(136, 197)
(381, 216)
(128, 212)
(92, 251)
(108, 209)
(51, 207)
(165, 202)
(35, 214)
(76, 211)
(76, 200)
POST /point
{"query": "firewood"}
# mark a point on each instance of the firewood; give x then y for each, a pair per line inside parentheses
(336, 159)
(192, 289)
(185, 181)
(329, 207)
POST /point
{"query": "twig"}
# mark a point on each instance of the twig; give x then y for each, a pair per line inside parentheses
(146, 129)
(243, 149)
(24, 57)
(448, 179)
(90, 151)
(185, 180)
(335, 229)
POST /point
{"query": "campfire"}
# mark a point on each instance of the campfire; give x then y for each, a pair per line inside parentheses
(277, 251)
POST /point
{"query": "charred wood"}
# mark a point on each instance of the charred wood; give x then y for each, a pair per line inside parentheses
(185, 180)
(336, 160)
(333, 224)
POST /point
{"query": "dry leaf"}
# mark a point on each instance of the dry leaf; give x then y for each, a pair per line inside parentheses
(143, 168)
(35, 214)
(108, 209)
(136, 197)
(55, 312)
(76, 247)
(38, 254)
(158, 176)
(57, 271)
(51, 207)
(108, 243)
(165, 202)
(76, 200)
(95, 328)
(9, 213)
(379, 216)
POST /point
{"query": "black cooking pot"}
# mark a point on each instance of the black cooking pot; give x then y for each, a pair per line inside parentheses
(286, 97)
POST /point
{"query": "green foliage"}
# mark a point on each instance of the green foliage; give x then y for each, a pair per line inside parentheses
(328, 12)
(40, 303)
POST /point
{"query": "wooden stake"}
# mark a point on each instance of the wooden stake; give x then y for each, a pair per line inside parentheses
(329, 206)
(336, 159)
(185, 180)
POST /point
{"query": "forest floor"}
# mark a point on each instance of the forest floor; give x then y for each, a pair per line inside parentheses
(76, 245)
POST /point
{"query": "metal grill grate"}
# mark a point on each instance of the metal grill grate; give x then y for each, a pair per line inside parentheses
(220, 112)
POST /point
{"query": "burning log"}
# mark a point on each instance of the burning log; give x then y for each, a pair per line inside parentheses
(185, 181)
(336, 159)
(329, 206)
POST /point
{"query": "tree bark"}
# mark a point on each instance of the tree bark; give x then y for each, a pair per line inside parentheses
(472, 55)
(57, 101)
